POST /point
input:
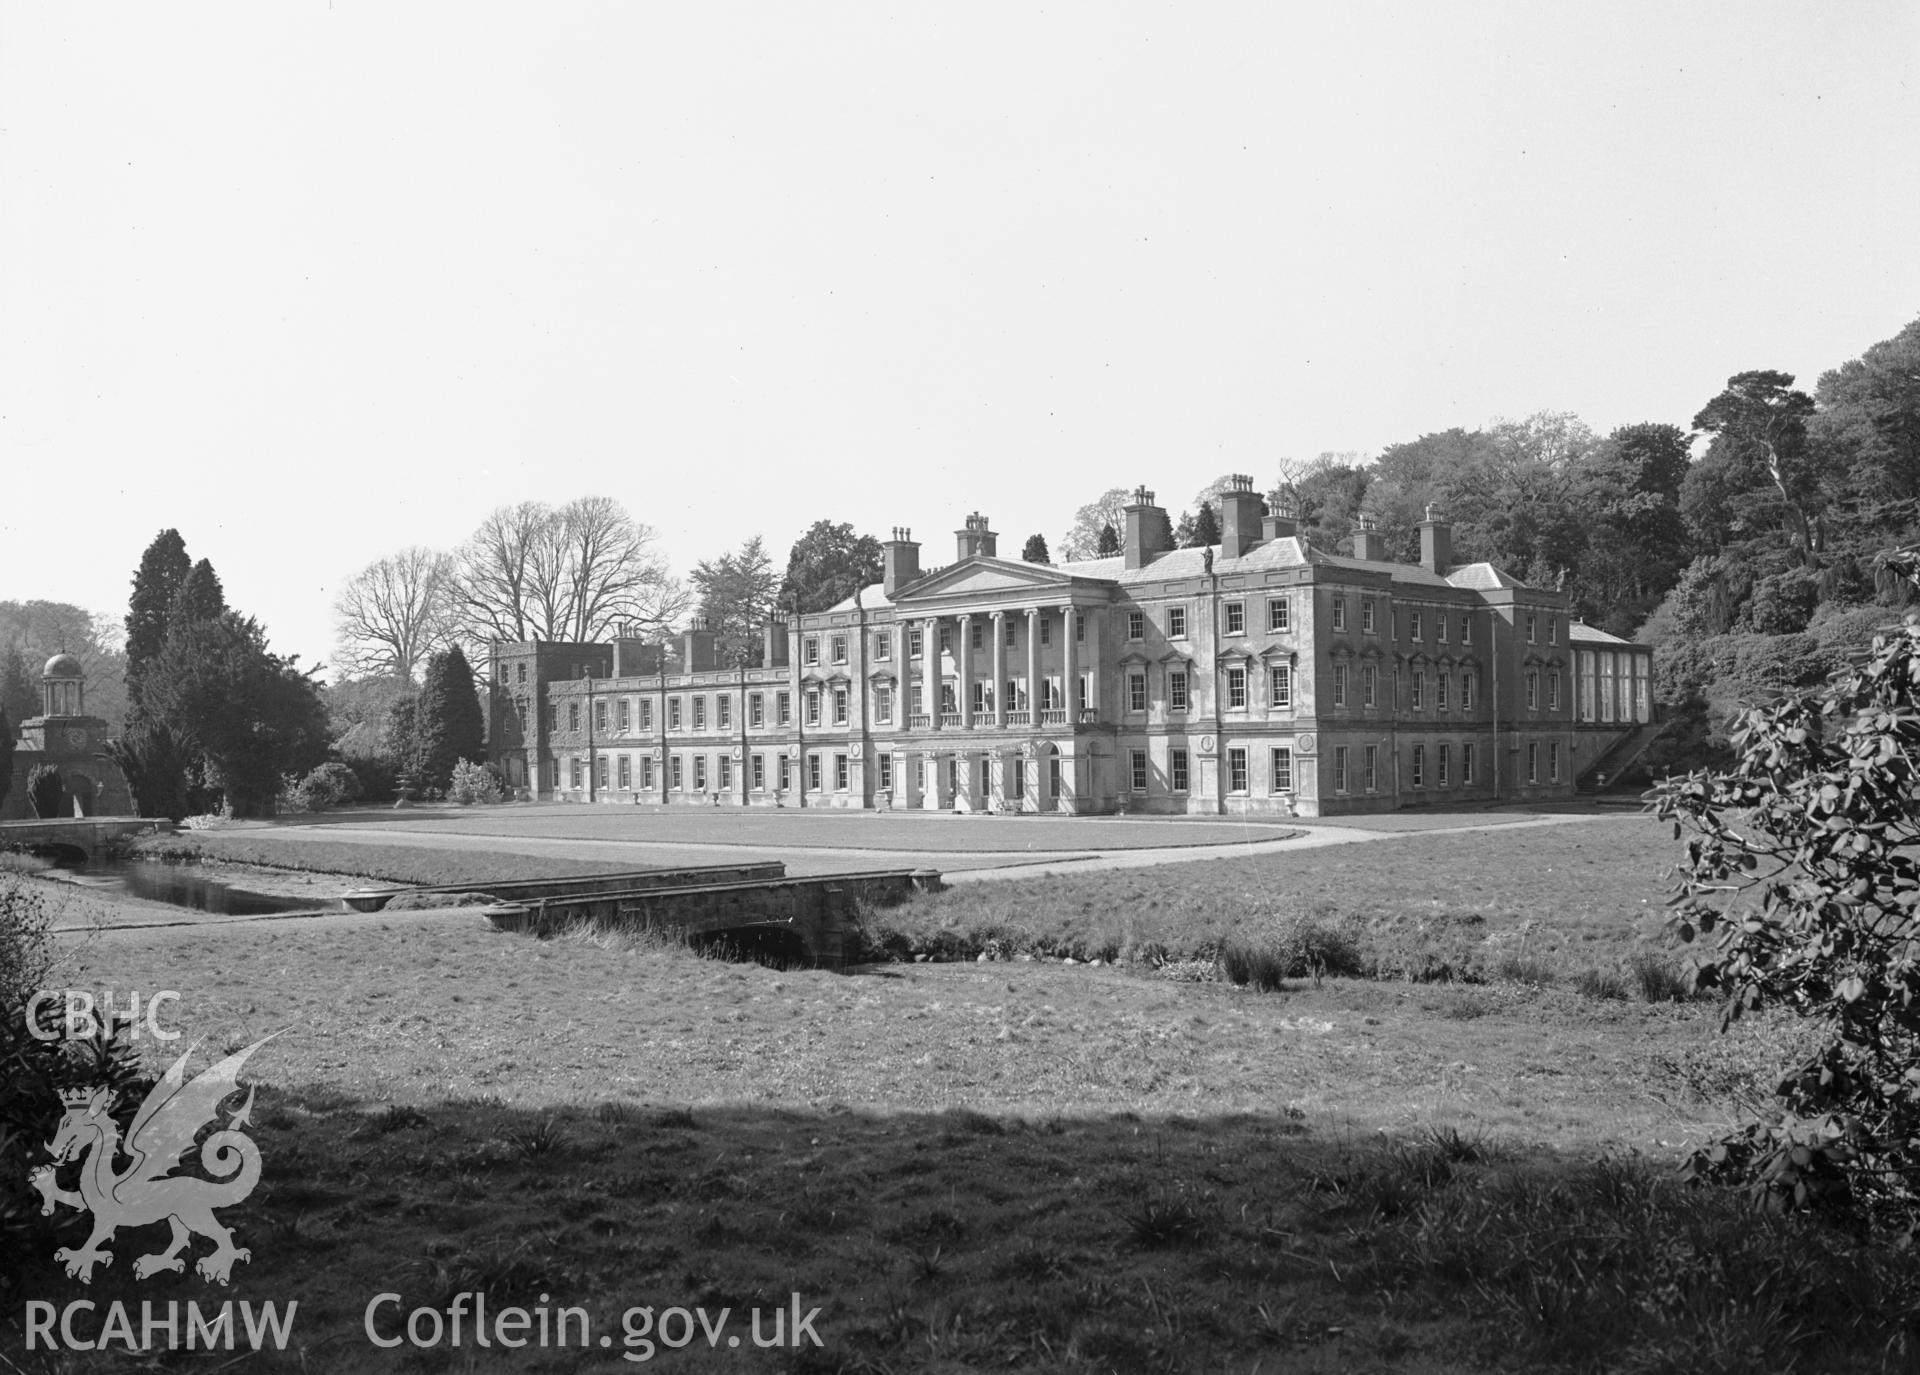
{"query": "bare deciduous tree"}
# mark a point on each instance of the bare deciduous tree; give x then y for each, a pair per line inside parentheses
(534, 572)
(393, 614)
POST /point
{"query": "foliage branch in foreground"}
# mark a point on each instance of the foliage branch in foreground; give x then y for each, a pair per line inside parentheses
(1804, 866)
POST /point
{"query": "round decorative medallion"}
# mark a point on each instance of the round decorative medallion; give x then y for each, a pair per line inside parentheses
(735, 751)
(76, 739)
(1305, 743)
(793, 751)
(1206, 744)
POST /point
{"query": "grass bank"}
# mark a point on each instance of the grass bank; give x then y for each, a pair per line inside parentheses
(1534, 903)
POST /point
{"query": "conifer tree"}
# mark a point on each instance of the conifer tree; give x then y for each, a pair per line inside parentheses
(448, 725)
(200, 597)
(163, 568)
(17, 697)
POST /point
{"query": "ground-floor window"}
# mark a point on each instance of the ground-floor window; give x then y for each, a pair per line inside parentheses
(1553, 762)
(626, 771)
(1177, 771)
(1442, 764)
(813, 772)
(646, 771)
(1019, 778)
(840, 773)
(699, 773)
(1466, 765)
(678, 776)
(786, 773)
(600, 771)
(726, 771)
(1283, 769)
(1236, 770)
(986, 777)
(1137, 761)
(574, 772)
(1373, 768)
(1533, 763)
(1419, 766)
(886, 773)
(759, 772)
(1340, 768)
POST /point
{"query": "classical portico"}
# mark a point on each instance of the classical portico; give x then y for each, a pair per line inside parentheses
(1007, 676)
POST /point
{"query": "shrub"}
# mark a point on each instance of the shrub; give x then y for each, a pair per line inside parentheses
(26, 950)
(33, 1070)
(44, 790)
(474, 783)
(330, 785)
(1803, 861)
(1783, 602)
(378, 776)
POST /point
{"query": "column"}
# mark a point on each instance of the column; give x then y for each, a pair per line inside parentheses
(999, 623)
(930, 669)
(1096, 659)
(903, 672)
(963, 656)
(1033, 666)
(1070, 663)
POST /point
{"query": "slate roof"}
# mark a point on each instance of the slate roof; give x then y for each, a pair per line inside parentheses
(1290, 552)
(1581, 633)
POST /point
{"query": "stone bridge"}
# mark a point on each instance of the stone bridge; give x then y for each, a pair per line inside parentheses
(77, 838)
(809, 919)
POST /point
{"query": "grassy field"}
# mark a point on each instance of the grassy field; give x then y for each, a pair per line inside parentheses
(1551, 900)
(1026, 1166)
(1023, 1164)
(822, 827)
(414, 864)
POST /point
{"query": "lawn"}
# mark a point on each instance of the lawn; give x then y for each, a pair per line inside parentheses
(1556, 899)
(1024, 1165)
(425, 865)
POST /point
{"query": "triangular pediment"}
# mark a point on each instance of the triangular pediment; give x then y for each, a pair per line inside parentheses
(984, 578)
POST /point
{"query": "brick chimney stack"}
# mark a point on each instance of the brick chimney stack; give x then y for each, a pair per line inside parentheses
(1436, 543)
(699, 647)
(1282, 523)
(976, 541)
(902, 561)
(1367, 543)
(1239, 517)
(1147, 530)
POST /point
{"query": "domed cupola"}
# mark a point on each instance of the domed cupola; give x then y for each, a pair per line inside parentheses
(63, 687)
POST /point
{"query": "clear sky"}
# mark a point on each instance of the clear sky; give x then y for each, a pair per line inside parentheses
(313, 281)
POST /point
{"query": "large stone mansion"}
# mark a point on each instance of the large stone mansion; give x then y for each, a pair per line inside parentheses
(1262, 675)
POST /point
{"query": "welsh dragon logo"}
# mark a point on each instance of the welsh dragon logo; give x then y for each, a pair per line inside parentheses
(147, 1190)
